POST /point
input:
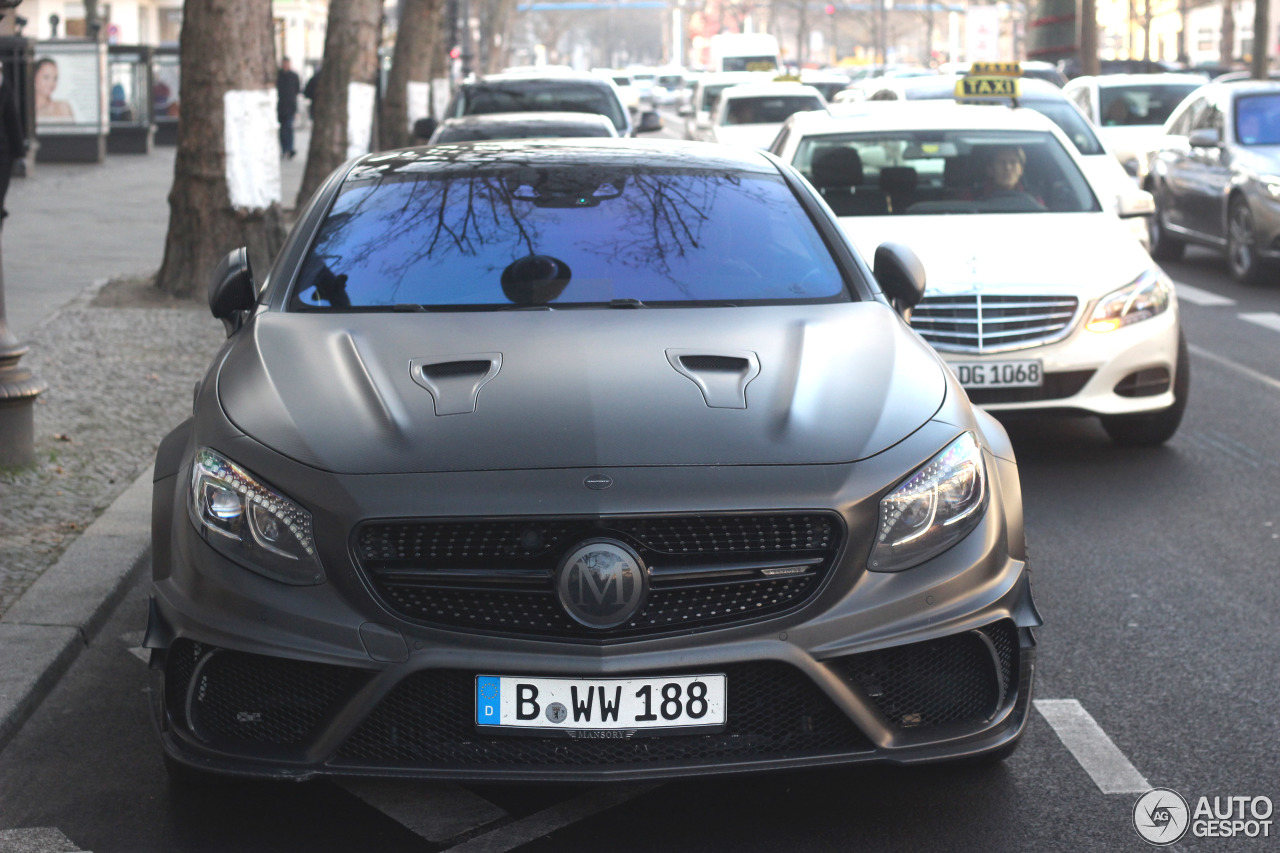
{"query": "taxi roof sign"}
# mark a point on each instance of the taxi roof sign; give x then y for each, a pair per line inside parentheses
(987, 87)
(995, 69)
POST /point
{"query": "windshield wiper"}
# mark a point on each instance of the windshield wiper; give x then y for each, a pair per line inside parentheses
(626, 302)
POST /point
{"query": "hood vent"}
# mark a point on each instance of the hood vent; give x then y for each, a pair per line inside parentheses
(722, 377)
(455, 383)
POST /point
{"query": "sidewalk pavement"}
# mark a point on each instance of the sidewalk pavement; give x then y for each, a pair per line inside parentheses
(120, 364)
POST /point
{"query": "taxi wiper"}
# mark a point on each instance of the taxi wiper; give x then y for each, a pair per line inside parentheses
(626, 302)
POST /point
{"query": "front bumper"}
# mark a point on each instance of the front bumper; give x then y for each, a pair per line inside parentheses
(1110, 373)
(933, 663)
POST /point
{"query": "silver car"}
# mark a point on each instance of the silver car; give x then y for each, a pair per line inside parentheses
(1216, 178)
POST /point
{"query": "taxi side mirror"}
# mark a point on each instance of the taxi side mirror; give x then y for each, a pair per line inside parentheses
(423, 128)
(900, 274)
(1135, 203)
(1204, 137)
(231, 290)
(650, 122)
(684, 110)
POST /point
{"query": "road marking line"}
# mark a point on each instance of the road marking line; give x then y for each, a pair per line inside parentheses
(1085, 739)
(437, 812)
(1266, 319)
(43, 839)
(1236, 366)
(1198, 296)
(520, 832)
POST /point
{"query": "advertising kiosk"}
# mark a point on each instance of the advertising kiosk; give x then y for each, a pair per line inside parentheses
(129, 99)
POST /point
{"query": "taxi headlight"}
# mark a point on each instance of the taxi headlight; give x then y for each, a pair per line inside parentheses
(1271, 185)
(251, 523)
(1143, 298)
(936, 507)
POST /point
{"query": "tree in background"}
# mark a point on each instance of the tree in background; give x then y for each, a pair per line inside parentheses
(417, 41)
(205, 222)
(349, 71)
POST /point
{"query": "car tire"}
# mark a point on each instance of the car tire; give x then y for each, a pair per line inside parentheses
(1242, 245)
(1150, 429)
(1163, 245)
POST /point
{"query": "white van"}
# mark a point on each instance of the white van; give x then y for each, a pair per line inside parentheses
(745, 52)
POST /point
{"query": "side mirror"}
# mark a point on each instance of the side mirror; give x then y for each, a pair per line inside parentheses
(231, 290)
(685, 110)
(423, 128)
(1204, 137)
(900, 274)
(1135, 203)
(702, 122)
(650, 122)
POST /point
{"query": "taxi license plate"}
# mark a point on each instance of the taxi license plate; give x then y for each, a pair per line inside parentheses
(600, 704)
(999, 374)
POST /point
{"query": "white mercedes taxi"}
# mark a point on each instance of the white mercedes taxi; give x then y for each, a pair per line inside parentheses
(1038, 298)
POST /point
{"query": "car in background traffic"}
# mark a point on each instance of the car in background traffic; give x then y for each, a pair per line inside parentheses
(581, 461)
(670, 87)
(826, 82)
(1215, 175)
(1030, 69)
(1039, 298)
(522, 126)
(1100, 164)
(751, 114)
(706, 94)
(538, 90)
(628, 92)
(1130, 110)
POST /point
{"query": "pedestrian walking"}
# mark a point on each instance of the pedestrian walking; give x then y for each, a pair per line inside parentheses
(287, 89)
(13, 142)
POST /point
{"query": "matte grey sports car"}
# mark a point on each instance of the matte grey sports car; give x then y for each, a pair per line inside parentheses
(581, 460)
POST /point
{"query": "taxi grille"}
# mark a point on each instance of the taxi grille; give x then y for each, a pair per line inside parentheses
(984, 323)
(497, 575)
(428, 722)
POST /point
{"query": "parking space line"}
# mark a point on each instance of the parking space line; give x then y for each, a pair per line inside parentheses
(1266, 319)
(1198, 296)
(522, 831)
(43, 839)
(1089, 744)
(1236, 366)
(437, 812)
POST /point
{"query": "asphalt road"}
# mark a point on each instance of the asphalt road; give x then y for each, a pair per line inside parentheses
(1155, 572)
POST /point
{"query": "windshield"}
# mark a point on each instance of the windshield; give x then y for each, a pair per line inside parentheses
(670, 82)
(1121, 106)
(711, 94)
(578, 234)
(749, 63)
(953, 172)
(768, 109)
(1258, 119)
(567, 96)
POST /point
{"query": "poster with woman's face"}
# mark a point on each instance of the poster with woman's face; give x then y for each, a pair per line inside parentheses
(69, 87)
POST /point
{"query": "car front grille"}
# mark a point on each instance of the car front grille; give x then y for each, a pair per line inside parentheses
(428, 722)
(498, 575)
(984, 323)
(963, 678)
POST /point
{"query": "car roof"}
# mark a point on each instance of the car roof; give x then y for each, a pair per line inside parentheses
(547, 72)
(658, 154)
(1030, 87)
(923, 115)
(489, 119)
(757, 90)
(1242, 87)
(715, 77)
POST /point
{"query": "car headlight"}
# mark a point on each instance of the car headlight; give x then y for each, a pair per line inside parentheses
(1143, 298)
(1271, 185)
(250, 522)
(936, 507)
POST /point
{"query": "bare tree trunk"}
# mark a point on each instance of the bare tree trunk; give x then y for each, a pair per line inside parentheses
(414, 40)
(1261, 39)
(204, 224)
(350, 57)
(1227, 46)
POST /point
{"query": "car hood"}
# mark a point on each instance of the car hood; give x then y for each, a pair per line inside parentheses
(750, 135)
(1086, 254)
(1133, 142)
(580, 388)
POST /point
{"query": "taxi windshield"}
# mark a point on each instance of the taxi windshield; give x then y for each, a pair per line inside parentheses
(566, 235)
(916, 172)
(767, 109)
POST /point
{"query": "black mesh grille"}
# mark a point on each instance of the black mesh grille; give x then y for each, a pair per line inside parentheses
(948, 680)
(180, 662)
(774, 711)
(1144, 383)
(262, 700)
(1057, 386)
(498, 575)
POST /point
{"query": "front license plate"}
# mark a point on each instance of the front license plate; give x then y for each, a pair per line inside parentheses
(600, 704)
(999, 374)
